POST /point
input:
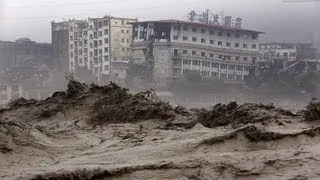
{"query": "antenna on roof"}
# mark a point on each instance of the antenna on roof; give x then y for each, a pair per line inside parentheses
(238, 22)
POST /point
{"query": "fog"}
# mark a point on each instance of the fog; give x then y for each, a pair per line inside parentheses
(281, 20)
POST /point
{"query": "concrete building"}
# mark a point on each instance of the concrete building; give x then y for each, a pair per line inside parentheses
(24, 51)
(178, 47)
(93, 43)
(121, 36)
(60, 45)
(285, 51)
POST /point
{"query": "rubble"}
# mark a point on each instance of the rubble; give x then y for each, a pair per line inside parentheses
(312, 111)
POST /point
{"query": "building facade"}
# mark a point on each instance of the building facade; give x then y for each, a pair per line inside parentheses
(94, 43)
(178, 47)
(272, 51)
(60, 45)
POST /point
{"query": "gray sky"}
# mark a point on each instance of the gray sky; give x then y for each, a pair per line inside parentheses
(282, 21)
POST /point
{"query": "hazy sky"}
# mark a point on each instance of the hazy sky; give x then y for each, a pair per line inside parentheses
(282, 21)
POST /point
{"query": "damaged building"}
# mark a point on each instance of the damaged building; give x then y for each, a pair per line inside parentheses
(173, 48)
(94, 43)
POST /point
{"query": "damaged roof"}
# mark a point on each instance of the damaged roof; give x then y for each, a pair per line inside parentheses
(222, 27)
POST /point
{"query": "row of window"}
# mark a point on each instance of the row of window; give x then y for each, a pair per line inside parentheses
(212, 32)
(214, 74)
(95, 43)
(213, 65)
(211, 55)
(212, 42)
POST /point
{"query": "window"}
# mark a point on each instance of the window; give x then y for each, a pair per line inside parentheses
(245, 45)
(106, 31)
(100, 33)
(185, 52)
(80, 43)
(185, 38)
(105, 22)
(106, 40)
(100, 24)
(220, 33)
(205, 73)
(95, 34)
(194, 39)
(228, 34)
(203, 41)
(228, 44)
(194, 52)
(85, 33)
(220, 56)
(85, 50)
(254, 60)
(175, 52)
(122, 31)
(85, 42)
(215, 65)
(76, 43)
(211, 32)
(196, 62)
(245, 58)
(194, 29)
(71, 38)
(237, 35)
(228, 57)
(211, 55)
(91, 45)
(232, 67)
(203, 54)
(186, 62)
(175, 37)
(95, 52)
(206, 64)
(71, 54)
(123, 40)
(100, 51)
(238, 77)
(185, 28)
(223, 66)
(128, 49)
(123, 49)
(223, 76)
(71, 46)
(254, 36)
(80, 34)
(106, 49)
(237, 58)
(106, 67)
(254, 46)
(100, 42)
(106, 58)
(239, 68)
(128, 32)
(91, 54)
(214, 74)
(246, 68)
(175, 28)
(71, 29)
(128, 40)
(236, 45)
(80, 52)
(91, 36)
(231, 76)
(203, 31)
(219, 43)
(211, 41)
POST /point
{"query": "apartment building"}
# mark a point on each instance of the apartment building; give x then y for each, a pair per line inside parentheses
(121, 37)
(95, 42)
(178, 47)
(60, 45)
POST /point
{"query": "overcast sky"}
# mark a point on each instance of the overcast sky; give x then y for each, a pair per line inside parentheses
(282, 21)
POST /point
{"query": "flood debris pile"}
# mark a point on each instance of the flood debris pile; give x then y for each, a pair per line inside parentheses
(119, 106)
(232, 113)
(312, 111)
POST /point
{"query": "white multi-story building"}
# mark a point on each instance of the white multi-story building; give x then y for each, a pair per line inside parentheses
(215, 51)
(285, 51)
(92, 43)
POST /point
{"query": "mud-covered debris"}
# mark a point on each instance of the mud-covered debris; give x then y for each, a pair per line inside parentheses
(117, 105)
(312, 111)
(232, 113)
(21, 102)
(181, 110)
(4, 148)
